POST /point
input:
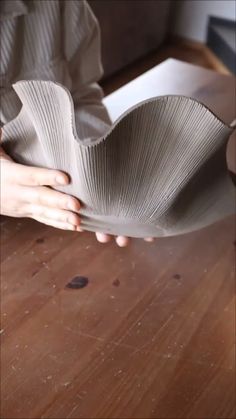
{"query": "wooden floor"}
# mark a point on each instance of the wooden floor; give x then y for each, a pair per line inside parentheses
(150, 336)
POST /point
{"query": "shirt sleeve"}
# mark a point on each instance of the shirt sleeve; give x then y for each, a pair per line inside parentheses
(81, 42)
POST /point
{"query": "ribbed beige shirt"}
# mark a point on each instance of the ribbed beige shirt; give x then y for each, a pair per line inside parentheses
(53, 40)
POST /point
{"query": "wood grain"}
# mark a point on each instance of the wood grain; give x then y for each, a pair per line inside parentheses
(150, 336)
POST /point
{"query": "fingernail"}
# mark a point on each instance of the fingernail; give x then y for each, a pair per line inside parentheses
(70, 206)
(61, 180)
(122, 241)
(102, 238)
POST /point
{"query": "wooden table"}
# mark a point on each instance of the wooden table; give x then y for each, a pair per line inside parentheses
(152, 334)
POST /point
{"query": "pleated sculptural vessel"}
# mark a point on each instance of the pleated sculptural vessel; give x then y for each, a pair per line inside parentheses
(159, 171)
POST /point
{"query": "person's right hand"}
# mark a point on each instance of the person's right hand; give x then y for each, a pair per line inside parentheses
(26, 192)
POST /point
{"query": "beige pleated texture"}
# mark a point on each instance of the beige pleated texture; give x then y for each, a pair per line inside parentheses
(159, 171)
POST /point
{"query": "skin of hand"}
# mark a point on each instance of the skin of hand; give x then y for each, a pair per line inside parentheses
(26, 192)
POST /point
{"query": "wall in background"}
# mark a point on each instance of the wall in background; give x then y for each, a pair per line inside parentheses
(130, 29)
(190, 17)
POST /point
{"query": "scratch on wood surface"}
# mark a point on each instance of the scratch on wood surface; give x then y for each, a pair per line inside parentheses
(155, 336)
(72, 411)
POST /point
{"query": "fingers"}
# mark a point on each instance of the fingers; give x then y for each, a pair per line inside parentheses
(79, 229)
(102, 238)
(105, 238)
(47, 197)
(54, 216)
(149, 239)
(56, 224)
(122, 241)
(34, 176)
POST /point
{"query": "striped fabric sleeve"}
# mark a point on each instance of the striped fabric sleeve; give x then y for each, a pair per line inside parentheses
(82, 50)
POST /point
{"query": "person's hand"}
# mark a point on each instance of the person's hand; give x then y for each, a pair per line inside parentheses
(121, 241)
(26, 192)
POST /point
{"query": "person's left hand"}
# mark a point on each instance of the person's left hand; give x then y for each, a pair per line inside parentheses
(24, 194)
